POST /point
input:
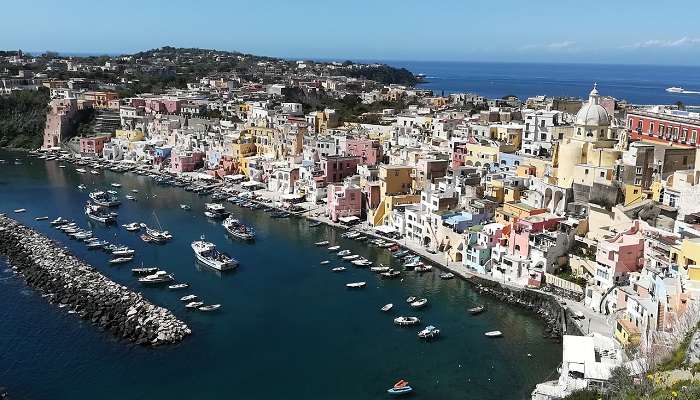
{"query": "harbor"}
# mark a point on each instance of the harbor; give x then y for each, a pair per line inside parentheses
(278, 304)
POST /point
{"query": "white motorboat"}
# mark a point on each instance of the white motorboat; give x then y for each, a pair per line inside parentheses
(675, 89)
(411, 299)
(356, 285)
(41, 218)
(324, 262)
(362, 262)
(406, 321)
(430, 332)
(123, 251)
(130, 197)
(194, 304)
(343, 253)
(390, 274)
(413, 263)
(81, 170)
(59, 221)
(121, 260)
(211, 307)
(132, 227)
(493, 334)
(99, 214)
(105, 199)
(95, 172)
(158, 277)
(447, 275)
(333, 248)
(188, 298)
(116, 185)
(322, 243)
(82, 187)
(419, 303)
(178, 286)
(144, 270)
(134, 190)
(381, 268)
(185, 207)
(423, 268)
(387, 307)
(208, 255)
(20, 210)
(237, 229)
(338, 269)
(350, 257)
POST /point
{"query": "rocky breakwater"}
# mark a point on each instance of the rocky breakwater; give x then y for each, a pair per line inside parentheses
(545, 306)
(81, 289)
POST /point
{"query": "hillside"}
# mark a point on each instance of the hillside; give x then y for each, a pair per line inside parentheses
(22, 118)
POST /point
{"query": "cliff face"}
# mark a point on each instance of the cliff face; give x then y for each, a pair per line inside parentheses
(23, 118)
(79, 288)
(558, 321)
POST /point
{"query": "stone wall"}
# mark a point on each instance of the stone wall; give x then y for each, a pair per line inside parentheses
(63, 279)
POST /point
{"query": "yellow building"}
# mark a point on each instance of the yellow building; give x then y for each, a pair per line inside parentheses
(512, 212)
(243, 149)
(633, 194)
(626, 333)
(688, 258)
(129, 135)
(395, 179)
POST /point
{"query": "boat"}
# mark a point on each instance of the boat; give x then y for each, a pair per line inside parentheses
(121, 260)
(20, 210)
(350, 257)
(95, 172)
(447, 275)
(387, 307)
(211, 307)
(144, 270)
(322, 243)
(343, 253)
(390, 274)
(208, 255)
(132, 227)
(99, 213)
(95, 244)
(59, 221)
(400, 388)
(158, 236)
(423, 268)
(194, 304)
(333, 248)
(413, 263)
(356, 285)
(41, 218)
(493, 334)
(401, 254)
(116, 185)
(123, 251)
(188, 298)
(134, 190)
(130, 197)
(379, 269)
(280, 214)
(185, 207)
(215, 210)
(81, 170)
(157, 277)
(237, 229)
(430, 332)
(362, 262)
(178, 286)
(324, 262)
(338, 269)
(419, 303)
(476, 310)
(105, 199)
(675, 89)
(411, 299)
(315, 224)
(82, 187)
(406, 321)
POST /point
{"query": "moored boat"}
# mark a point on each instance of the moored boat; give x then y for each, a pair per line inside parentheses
(41, 218)
(406, 321)
(178, 286)
(194, 304)
(105, 199)
(211, 307)
(387, 307)
(121, 260)
(188, 298)
(132, 227)
(99, 214)
(477, 310)
(237, 229)
(338, 269)
(447, 275)
(356, 285)
(207, 254)
(493, 334)
(419, 303)
(333, 248)
(157, 278)
(400, 388)
(430, 332)
(321, 243)
(423, 268)
(390, 274)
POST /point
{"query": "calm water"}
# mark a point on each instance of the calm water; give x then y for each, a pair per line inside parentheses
(639, 84)
(288, 327)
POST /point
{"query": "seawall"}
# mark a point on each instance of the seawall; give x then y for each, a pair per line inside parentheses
(65, 280)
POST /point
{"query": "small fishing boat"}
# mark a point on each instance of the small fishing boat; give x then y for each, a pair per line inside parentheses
(144, 270)
(387, 307)
(132, 227)
(333, 248)
(379, 269)
(343, 253)
(178, 286)
(423, 268)
(356, 285)
(476, 310)
(493, 334)
(322, 243)
(130, 197)
(411, 299)
(400, 388)
(413, 263)
(390, 274)
(157, 277)
(41, 218)
(430, 332)
(211, 307)
(20, 210)
(338, 269)
(194, 304)
(188, 298)
(406, 321)
(116, 185)
(447, 275)
(237, 229)
(59, 221)
(82, 187)
(324, 262)
(207, 254)
(350, 257)
(121, 260)
(80, 170)
(185, 207)
(419, 303)
(362, 262)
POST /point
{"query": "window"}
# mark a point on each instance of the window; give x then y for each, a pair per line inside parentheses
(662, 130)
(602, 174)
(684, 134)
(543, 136)
(586, 171)
(675, 133)
(651, 128)
(629, 124)
(693, 136)
(685, 160)
(637, 181)
(638, 170)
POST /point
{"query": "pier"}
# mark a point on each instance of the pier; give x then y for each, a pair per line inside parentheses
(82, 290)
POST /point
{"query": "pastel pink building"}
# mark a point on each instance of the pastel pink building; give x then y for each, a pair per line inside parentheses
(93, 146)
(337, 168)
(619, 255)
(58, 120)
(185, 161)
(172, 106)
(369, 151)
(519, 242)
(344, 201)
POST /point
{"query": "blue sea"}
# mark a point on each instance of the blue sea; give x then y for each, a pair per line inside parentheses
(288, 328)
(638, 84)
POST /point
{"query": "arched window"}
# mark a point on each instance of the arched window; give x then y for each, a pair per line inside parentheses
(589, 133)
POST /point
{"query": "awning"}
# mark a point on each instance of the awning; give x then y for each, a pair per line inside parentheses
(385, 229)
(252, 184)
(348, 219)
(292, 196)
(235, 177)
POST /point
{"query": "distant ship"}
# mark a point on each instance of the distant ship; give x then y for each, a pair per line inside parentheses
(676, 89)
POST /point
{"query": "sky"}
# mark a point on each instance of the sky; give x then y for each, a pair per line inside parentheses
(595, 31)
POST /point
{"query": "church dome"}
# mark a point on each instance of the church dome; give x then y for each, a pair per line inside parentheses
(592, 113)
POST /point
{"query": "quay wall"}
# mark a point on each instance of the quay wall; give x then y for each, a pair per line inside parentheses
(65, 280)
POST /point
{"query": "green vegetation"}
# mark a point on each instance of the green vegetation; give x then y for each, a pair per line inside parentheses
(384, 74)
(23, 118)
(677, 359)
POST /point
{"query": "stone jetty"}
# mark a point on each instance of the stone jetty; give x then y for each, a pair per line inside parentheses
(65, 280)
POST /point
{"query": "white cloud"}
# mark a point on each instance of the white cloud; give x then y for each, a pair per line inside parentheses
(682, 42)
(566, 45)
